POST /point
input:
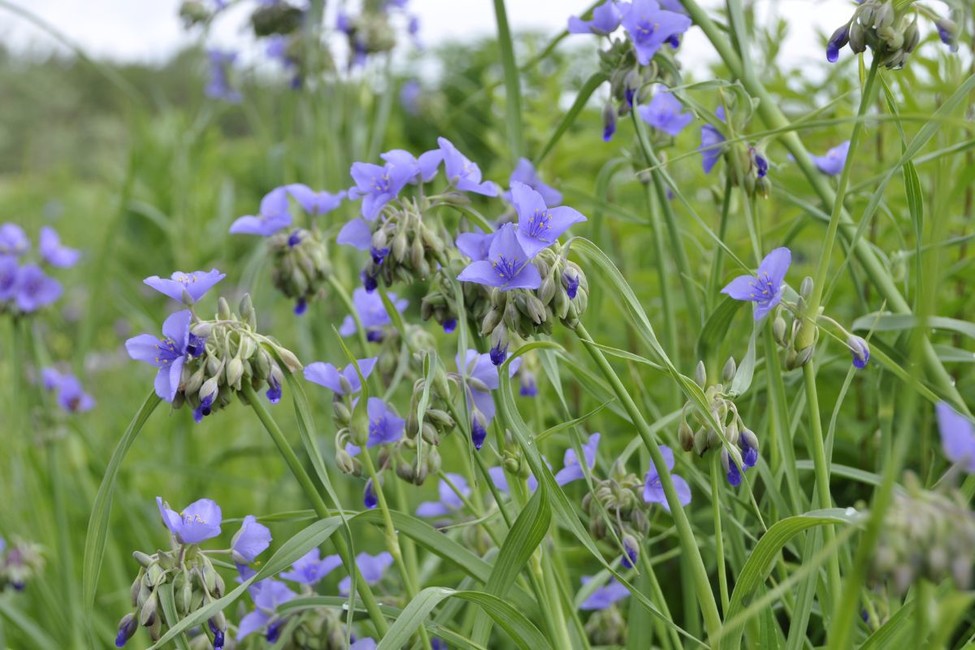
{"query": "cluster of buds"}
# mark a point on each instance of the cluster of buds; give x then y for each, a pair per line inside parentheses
(405, 247)
(276, 18)
(440, 304)
(231, 354)
(741, 451)
(370, 32)
(300, 266)
(318, 628)
(616, 505)
(19, 562)
(194, 12)
(926, 534)
(607, 627)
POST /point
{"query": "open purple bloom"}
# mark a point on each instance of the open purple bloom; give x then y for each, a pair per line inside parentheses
(71, 395)
(539, 226)
(9, 274)
(384, 425)
(372, 568)
(649, 27)
(34, 289)
(475, 245)
(53, 252)
(462, 173)
(507, 267)
(832, 163)
(377, 186)
(422, 169)
(711, 141)
(356, 233)
(605, 19)
(957, 436)
(479, 367)
(571, 469)
(268, 595)
(310, 568)
(167, 354)
(525, 173)
(251, 540)
(449, 501)
(221, 62)
(765, 287)
(653, 491)
(664, 113)
(180, 285)
(343, 382)
(372, 313)
(198, 522)
(13, 240)
(612, 592)
(273, 216)
(312, 202)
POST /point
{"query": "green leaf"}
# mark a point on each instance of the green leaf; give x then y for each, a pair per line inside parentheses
(168, 603)
(887, 322)
(716, 328)
(588, 88)
(746, 367)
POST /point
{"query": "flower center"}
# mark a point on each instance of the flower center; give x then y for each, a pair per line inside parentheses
(507, 268)
(762, 288)
(538, 223)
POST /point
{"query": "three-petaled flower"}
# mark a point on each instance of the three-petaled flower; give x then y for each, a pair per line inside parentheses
(664, 113)
(538, 225)
(310, 568)
(197, 523)
(186, 287)
(653, 490)
(649, 27)
(507, 266)
(169, 353)
(765, 287)
(343, 382)
(462, 173)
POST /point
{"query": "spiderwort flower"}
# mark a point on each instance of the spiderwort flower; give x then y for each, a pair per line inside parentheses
(507, 266)
(423, 169)
(312, 202)
(450, 500)
(613, 591)
(268, 595)
(53, 252)
(34, 289)
(539, 226)
(251, 540)
(273, 216)
(71, 396)
(372, 568)
(957, 436)
(372, 312)
(525, 173)
(860, 351)
(765, 287)
(377, 186)
(664, 113)
(653, 491)
(168, 354)
(605, 20)
(833, 162)
(711, 140)
(384, 425)
(310, 568)
(343, 382)
(186, 287)
(13, 240)
(649, 27)
(198, 522)
(219, 86)
(462, 173)
(571, 469)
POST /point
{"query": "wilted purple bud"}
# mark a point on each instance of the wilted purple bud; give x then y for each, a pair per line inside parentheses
(836, 42)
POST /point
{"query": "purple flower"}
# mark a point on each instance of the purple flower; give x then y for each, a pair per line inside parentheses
(71, 395)
(834, 160)
(449, 499)
(605, 19)
(410, 95)
(649, 27)
(369, 497)
(653, 491)
(765, 287)
(525, 173)
(475, 245)
(499, 479)
(836, 43)
(198, 522)
(366, 643)
(372, 568)
(250, 541)
(498, 354)
(13, 240)
(377, 186)
(273, 216)
(482, 378)
(462, 173)
(384, 425)
(219, 86)
(957, 436)
(34, 289)
(613, 591)
(422, 169)
(571, 469)
(9, 273)
(507, 266)
(343, 382)
(372, 313)
(312, 202)
(664, 113)
(539, 226)
(53, 252)
(186, 287)
(356, 233)
(267, 595)
(711, 141)
(168, 354)
(948, 33)
(310, 568)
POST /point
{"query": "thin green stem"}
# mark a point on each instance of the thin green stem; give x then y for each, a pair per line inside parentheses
(717, 263)
(709, 608)
(512, 82)
(716, 475)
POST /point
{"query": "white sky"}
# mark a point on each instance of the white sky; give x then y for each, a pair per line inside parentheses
(149, 30)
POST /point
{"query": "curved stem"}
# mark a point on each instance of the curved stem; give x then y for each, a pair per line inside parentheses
(718, 536)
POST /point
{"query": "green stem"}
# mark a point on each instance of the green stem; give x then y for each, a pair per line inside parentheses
(318, 504)
(670, 322)
(821, 467)
(718, 260)
(716, 475)
(709, 608)
(512, 82)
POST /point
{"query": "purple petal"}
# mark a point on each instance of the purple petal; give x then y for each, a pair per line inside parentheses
(250, 541)
(432, 509)
(252, 622)
(957, 436)
(324, 374)
(170, 518)
(53, 252)
(475, 245)
(481, 272)
(741, 288)
(775, 265)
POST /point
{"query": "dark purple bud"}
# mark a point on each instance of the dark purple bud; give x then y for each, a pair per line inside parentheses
(631, 551)
(378, 254)
(761, 165)
(734, 475)
(374, 336)
(19, 585)
(274, 631)
(609, 121)
(947, 32)
(369, 499)
(628, 94)
(218, 636)
(673, 40)
(499, 354)
(126, 629)
(438, 644)
(274, 390)
(204, 409)
(571, 285)
(301, 306)
(836, 42)
(294, 238)
(528, 386)
(860, 351)
(749, 455)
(368, 282)
(449, 325)
(478, 433)
(195, 345)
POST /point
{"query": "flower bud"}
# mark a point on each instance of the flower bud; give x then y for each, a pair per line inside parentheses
(701, 374)
(860, 351)
(126, 629)
(728, 372)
